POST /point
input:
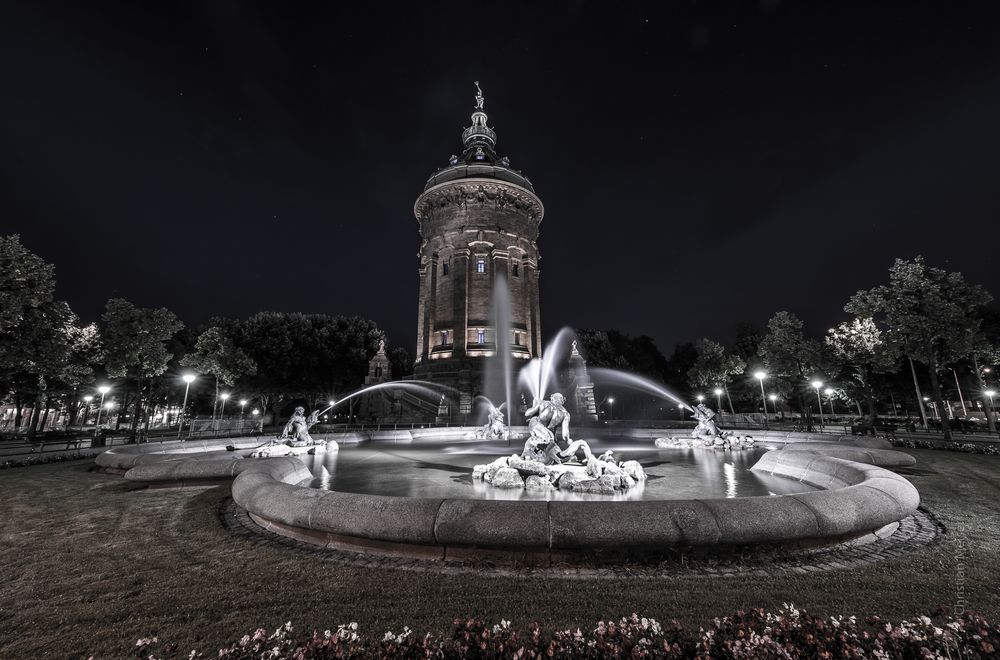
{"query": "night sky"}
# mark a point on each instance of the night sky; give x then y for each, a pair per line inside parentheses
(700, 164)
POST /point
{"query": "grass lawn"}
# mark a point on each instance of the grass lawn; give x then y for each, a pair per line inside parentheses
(90, 564)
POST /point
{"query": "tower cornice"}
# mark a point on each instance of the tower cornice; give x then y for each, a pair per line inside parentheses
(479, 192)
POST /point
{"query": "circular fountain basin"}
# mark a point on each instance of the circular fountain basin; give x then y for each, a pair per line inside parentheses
(442, 469)
(411, 491)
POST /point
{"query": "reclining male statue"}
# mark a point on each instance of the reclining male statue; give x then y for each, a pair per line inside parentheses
(544, 419)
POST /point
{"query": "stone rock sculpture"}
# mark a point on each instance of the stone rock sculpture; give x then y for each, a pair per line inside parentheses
(705, 427)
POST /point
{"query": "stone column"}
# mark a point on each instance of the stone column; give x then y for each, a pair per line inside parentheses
(460, 291)
(430, 295)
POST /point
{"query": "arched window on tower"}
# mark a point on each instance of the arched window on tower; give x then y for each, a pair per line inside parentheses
(480, 264)
(444, 268)
(481, 336)
(515, 269)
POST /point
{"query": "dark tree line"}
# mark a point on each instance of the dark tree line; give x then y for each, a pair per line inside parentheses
(49, 359)
(923, 315)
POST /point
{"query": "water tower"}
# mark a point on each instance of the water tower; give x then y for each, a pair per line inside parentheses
(479, 220)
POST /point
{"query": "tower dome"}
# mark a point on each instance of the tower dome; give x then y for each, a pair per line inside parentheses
(479, 157)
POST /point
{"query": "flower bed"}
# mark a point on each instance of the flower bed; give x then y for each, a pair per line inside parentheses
(789, 633)
(984, 448)
(41, 459)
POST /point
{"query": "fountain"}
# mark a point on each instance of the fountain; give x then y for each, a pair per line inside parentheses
(495, 427)
(707, 434)
(566, 489)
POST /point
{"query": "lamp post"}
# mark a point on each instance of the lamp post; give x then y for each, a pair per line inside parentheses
(243, 405)
(989, 394)
(86, 411)
(222, 409)
(816, 385)
(760, 376)
(829, 399)
(927, 399)
(188, 379)
(103, 389)
(718, 399)
(255, 412)
(109, 406)
(774, 403)
(611, 402)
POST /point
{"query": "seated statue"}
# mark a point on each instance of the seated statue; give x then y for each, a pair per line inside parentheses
(545, 418)
(296, 431)
(705, 427)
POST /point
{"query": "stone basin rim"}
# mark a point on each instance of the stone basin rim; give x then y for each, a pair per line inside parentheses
(858, 499)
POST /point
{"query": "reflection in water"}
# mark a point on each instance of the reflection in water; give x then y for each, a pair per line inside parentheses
(444, 470)
(730, 471)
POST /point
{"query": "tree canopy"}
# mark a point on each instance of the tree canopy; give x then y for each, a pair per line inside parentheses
(930, 313)
(27, 281)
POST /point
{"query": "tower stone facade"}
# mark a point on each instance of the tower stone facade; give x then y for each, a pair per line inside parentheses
(479, 222)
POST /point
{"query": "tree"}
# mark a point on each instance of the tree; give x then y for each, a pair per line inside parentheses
(792, 359)
(597, 347)
(137, 344)
(928, 312)
(216, 354)
(860, 352)
(312, 356)
(986, 355)
(45, 349)
(400, 362)
(714, 367)
(27, 282)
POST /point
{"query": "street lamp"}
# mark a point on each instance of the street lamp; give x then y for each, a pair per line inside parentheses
(188, 379)
(816, 385)
(760, 376)
(109, 406)
(927, 399)
(718, 399)
(611, 400)
(243, 405)
(222, 409)
(774, 402)
(829, 398)
(990, 393)
(86, 413)
(103, 389)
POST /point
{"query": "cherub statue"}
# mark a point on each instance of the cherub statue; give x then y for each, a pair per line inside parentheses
(495, 426)
(297, 428)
